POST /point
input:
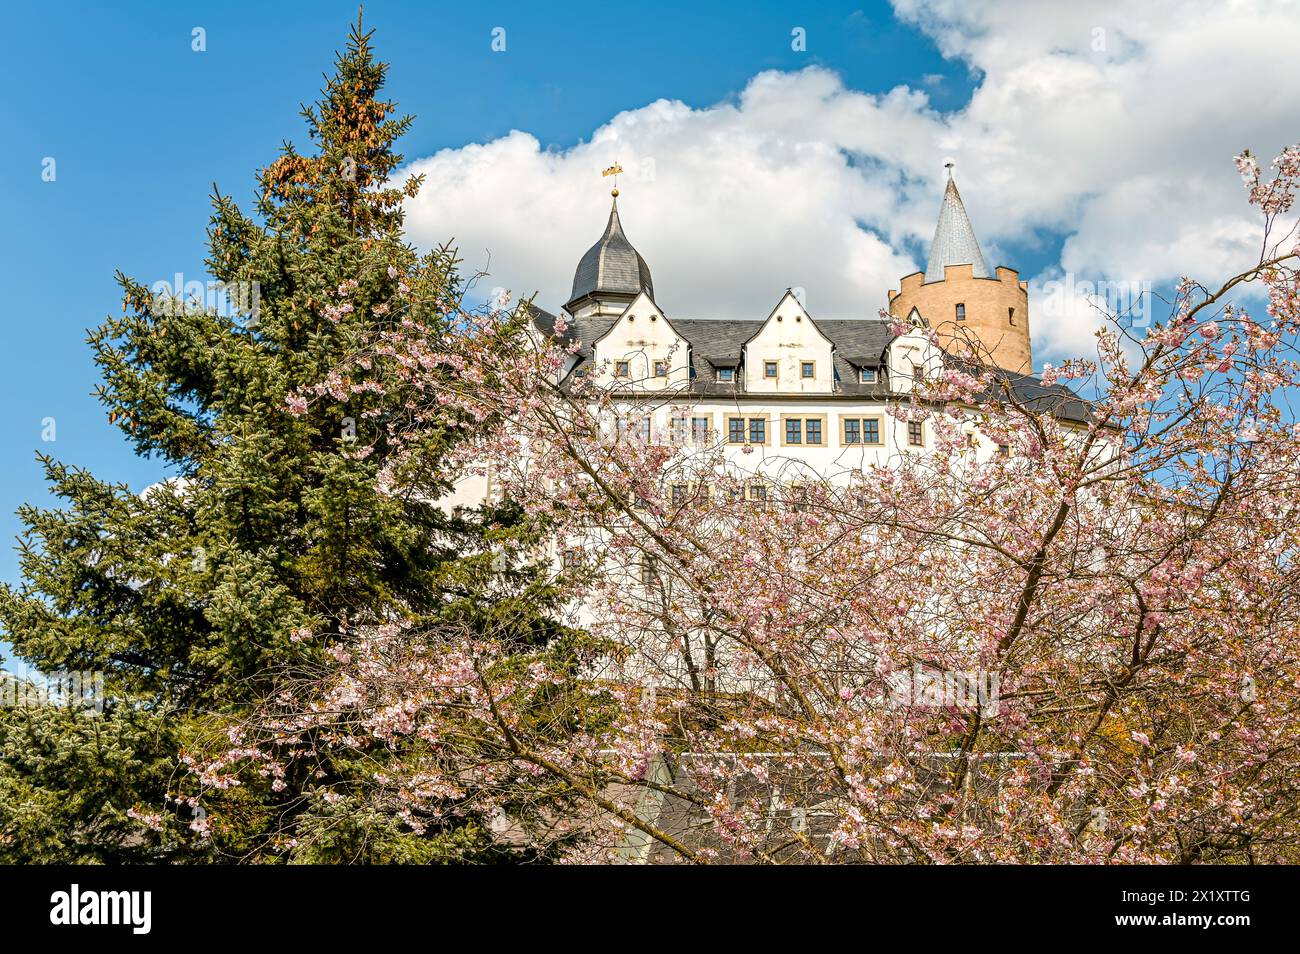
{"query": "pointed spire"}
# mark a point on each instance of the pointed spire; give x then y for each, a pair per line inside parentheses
(614, 226)
(954, 238)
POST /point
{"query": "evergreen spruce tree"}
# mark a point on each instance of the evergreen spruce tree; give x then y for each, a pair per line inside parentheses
(189, 596)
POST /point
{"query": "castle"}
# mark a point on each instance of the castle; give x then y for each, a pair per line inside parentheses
(793, 387)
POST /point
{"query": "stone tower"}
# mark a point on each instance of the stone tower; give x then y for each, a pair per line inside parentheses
(974, 314)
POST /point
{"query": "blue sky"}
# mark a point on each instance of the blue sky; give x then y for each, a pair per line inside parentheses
(141, 126)
(1069, 155)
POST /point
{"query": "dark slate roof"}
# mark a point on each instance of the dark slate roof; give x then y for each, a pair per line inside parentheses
(858, 343)
(612, 265)
(1056, 399)
(543, 319)
(719, 343)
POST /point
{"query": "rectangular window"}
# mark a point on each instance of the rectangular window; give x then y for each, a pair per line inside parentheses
(916, 433)
(1011, 316)
(679, 494)
(677, 429)
(700, 430)
(643, 430)
(807, 370)
(726, 374)
(918, 375)
(861, 430)
(769, 369)
(961, 312)
(802, 431)
(622, 369)
(758, 493)
(661, 369)
(867, 375)
(1004, 450)
(755, 434)
(648, 574)
(571, 558)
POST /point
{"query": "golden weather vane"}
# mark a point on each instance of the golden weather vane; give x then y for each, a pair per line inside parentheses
(615, 170)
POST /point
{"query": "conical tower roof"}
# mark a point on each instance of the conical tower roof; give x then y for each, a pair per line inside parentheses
(954, 239)
(612, 265)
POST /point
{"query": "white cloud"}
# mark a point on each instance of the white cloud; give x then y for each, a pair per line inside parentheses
(1110, 125)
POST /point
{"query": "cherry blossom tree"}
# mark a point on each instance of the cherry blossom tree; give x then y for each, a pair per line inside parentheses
(1084, 648)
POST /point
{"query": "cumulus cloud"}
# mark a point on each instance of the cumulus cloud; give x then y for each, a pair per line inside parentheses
(1104, 129)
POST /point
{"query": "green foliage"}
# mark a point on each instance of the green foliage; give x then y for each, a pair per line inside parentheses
(188, 597)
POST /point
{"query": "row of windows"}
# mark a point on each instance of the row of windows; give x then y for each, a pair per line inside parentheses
(810, 431)
(796, 430)
(807, 371)
(623, 369)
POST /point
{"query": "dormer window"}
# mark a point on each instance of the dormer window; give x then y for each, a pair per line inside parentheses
(622, 369)
(807, 369)
(661, 369)
(726, 374)
(961, 311)
(769, 369)
(867, 375)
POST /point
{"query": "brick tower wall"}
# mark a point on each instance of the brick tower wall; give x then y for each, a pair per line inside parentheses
(996, 327)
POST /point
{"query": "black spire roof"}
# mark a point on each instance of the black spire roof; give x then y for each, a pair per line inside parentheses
(612, 266)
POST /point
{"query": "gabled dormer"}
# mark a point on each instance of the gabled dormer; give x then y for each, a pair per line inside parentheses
(911, 355)
(641, 350)
(789, 354)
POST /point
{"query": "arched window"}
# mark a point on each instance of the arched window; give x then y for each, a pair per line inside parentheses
(961, 311)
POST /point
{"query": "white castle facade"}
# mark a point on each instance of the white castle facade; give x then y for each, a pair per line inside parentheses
(787, 393)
